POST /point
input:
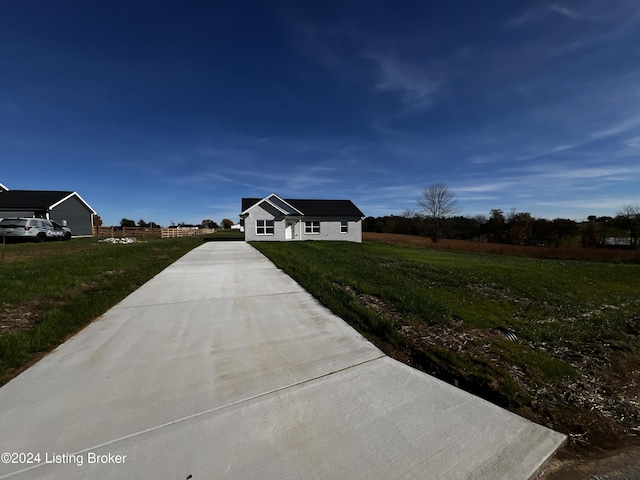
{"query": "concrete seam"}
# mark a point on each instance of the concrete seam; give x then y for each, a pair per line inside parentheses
(200, 414)
(207, 300)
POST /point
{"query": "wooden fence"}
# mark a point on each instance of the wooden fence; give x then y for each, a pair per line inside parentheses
(148, 232)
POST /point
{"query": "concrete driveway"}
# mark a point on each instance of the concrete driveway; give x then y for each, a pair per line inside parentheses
(222, 367)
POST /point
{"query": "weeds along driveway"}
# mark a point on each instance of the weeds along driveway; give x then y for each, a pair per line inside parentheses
(222, 366)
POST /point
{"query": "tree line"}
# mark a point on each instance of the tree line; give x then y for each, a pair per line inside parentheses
(437, 218)
(206, 223)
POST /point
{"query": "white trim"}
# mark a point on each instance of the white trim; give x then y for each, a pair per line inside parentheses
(312, 227)
(285, 202)
(242, 214)
(266, 199)
(3, 188)
(93, 212)
(265, 226)
(284, 212)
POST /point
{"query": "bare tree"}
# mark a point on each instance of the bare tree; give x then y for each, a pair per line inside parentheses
(630, 216)
(438, 203)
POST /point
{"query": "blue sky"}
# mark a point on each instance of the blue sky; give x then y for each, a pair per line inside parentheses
(174, 111)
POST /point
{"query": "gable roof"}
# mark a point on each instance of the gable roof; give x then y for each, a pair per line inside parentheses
(330, 208)
(282, 205)
(37, 199)
(313, 208)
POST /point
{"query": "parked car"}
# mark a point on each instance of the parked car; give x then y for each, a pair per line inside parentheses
(34, 229)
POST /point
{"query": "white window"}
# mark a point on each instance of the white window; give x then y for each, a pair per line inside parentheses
(312, 227)
(264, 227)
(344, 226)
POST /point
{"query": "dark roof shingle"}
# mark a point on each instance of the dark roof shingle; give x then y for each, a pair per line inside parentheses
(31, 199)
(315, 208)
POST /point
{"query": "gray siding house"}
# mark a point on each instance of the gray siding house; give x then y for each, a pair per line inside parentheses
(275, 219)
(60, 206)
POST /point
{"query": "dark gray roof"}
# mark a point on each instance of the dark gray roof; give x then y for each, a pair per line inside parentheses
(33, 199)
(315, 208)
(330, 208)
(249, 202)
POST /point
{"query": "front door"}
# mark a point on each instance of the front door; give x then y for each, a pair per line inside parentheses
(288, 231)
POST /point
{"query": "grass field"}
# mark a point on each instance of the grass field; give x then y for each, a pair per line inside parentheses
(596, 254)
(575, 365)
(51, 290)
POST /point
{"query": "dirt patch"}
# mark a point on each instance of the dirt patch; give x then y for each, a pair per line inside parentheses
(23, 317)
(598, 408)
(623, 464)
(19, 318)
(374, 303)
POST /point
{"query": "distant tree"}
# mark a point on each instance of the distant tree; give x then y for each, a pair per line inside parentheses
(630, 219)
(481, 230)
(437, 202)
(370, 224)
(496, 226)
(541, 232)
(209, 224)
(565, 229)
(594, 232)
(519, 227)
(126, 222)
(462, 228)
(389, 224)
(226, 223)
(142, 223)
(589, 234)
(603, 225)
(97, 221)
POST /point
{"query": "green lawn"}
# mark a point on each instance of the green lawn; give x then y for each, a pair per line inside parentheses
(542, 300)
(440, 310)
(574, 367)
(51, 290)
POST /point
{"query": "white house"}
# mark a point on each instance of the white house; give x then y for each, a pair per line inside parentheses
(275, 219)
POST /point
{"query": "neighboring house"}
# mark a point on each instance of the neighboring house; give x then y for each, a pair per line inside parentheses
(60, 206)
(275, 219)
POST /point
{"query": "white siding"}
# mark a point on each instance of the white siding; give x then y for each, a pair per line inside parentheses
(330, 230)
(329, 226)
(263, 212)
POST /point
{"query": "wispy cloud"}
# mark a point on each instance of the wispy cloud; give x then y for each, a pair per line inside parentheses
(529, 16)
(619, 11)
(356, 57)
(602, 204)
(618, 127)
(415, 85)
(575, 174)
(544, 152)
(570, 13)
(633, 142)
